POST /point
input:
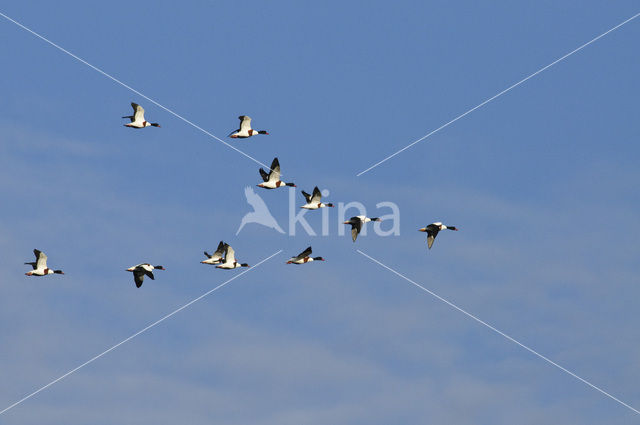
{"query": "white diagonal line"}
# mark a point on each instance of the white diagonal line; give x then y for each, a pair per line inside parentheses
(135, 335)
(95, 68)
(499, 332)
(500, 94)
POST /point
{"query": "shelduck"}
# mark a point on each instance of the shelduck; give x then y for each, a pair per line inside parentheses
(40, 265)
(272, 179)
(304, 257)
(216, 258)
(245, 129)
(356, 224)
(313, 200)
(143, 269)
(432, 231)
(230, 259)
(137, 119)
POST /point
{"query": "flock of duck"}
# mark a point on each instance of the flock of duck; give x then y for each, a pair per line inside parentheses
(224, 257)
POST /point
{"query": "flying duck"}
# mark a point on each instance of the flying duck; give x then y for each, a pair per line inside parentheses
(40, 265)
(432, 231)
(143, 269)
(216, 258)
(272, 179)
(230, 259)
(356, 224)
(303, 257)
(313, 201)
(245, 129)
(137, 119)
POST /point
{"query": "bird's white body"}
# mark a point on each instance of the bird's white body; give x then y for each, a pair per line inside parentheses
(228, 265)
(312, 206)
(212, 261)
(143, 266)
(301, 260)
(271, 184)
(40, 272)
(139, 124)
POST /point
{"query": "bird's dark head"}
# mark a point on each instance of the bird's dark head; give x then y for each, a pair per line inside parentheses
(262, 132)
(330, 205)
(454, 228)
(58, 272)
(376, 219)
(244, 265)
(159, 267)
(318, 259)
(155, 124)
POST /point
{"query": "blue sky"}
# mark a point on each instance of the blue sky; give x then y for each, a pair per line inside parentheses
(542, 183)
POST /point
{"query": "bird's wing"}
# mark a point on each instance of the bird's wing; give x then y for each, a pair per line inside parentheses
(41, 259)
(356, 226)
(264, 174)
(220, 251)
(245, 122)
(206, 254)
(138, 112)
(275, 170)
(150, 274)
(430, 238)
(303, 254)
(33, 265)
(306, 196)
(355, 229)
(230, 255)
(432, 232)
(138, 277)
(317, 196)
